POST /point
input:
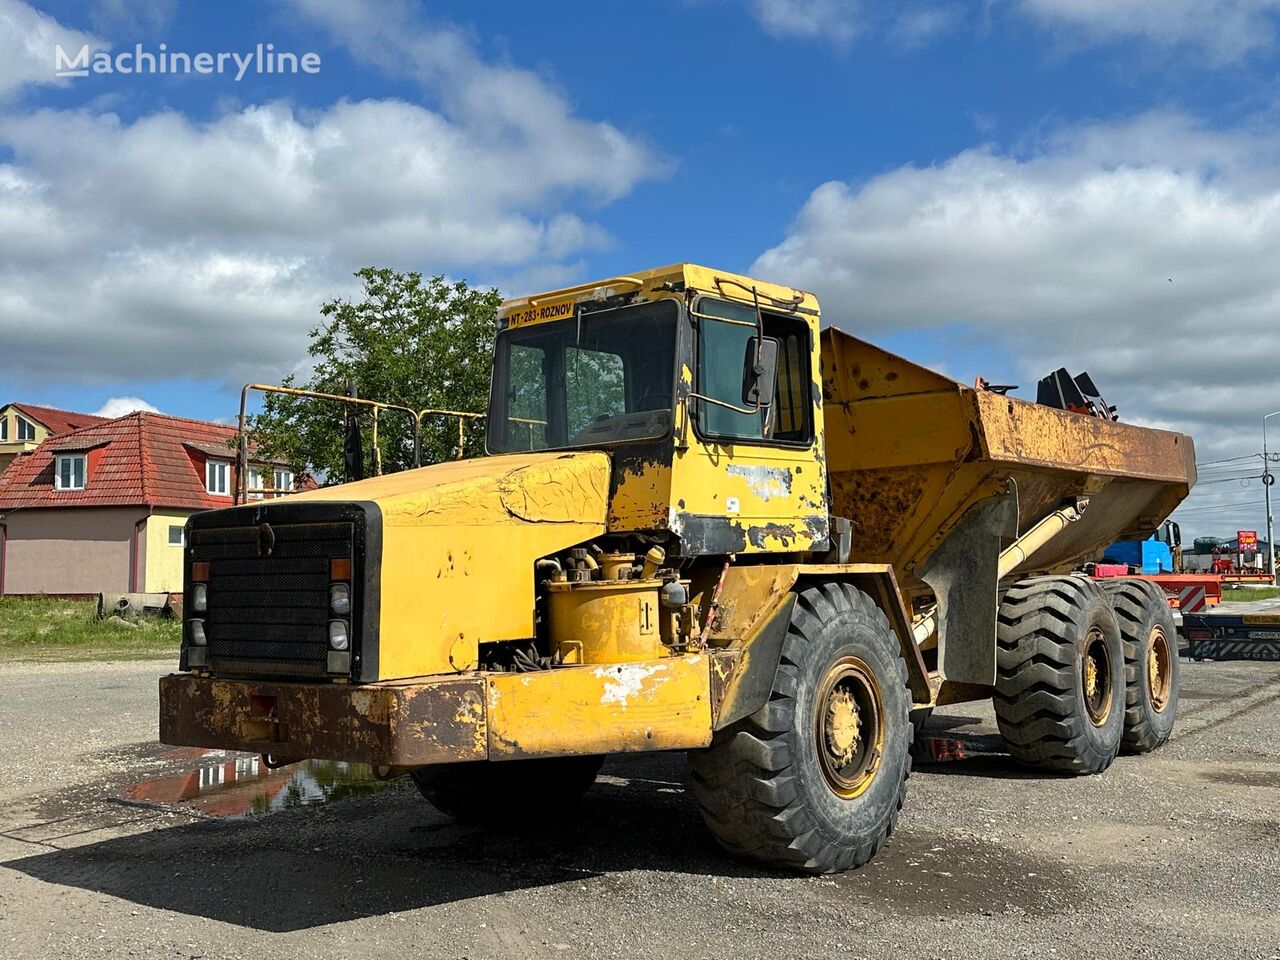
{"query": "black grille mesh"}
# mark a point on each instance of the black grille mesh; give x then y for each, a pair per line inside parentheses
(270, 615)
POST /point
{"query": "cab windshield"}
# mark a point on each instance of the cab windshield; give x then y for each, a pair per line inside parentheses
(592, 380)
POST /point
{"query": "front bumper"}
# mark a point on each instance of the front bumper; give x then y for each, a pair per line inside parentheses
(652, 705)
(392, 724)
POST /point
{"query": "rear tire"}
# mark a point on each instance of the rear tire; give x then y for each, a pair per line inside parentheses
(1150, 662)
(814, 779)
(508, 792)
(1059, 696)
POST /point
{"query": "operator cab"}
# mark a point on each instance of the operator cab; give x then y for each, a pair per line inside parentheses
(702, 386)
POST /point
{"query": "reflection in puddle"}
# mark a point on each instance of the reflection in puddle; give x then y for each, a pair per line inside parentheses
(223, 783)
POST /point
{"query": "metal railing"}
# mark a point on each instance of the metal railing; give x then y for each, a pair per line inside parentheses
(377, 406)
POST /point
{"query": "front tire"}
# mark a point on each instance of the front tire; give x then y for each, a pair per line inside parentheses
(1059, 696)
(1150, 662)
(814, 779)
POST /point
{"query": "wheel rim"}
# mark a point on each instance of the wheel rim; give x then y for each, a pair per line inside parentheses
(849, 727)
(1159, 669)
(1095, 677)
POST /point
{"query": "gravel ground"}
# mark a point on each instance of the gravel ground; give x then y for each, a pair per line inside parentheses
(1172, 855)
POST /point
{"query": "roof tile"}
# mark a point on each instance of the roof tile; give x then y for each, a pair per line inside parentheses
(140, 459)
(57, 421)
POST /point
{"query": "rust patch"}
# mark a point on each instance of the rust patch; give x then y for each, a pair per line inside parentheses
(724, 663)
(397, 723)
(783, 533)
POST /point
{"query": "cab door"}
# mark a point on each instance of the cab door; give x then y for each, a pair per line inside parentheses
(749, 480)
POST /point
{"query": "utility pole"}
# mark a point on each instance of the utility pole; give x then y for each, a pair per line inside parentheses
(1268, 478)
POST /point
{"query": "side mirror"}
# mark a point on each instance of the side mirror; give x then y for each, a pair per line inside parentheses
(759, 372)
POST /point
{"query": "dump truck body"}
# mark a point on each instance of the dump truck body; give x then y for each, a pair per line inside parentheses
(693, 499)
(910, 451)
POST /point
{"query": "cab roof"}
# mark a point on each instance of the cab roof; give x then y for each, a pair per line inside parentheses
(676, 277)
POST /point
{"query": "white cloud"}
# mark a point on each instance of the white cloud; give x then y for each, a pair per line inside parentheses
(834, 20)
(1143, 251)
(1224, 29)
(27, 42)
(119, 406)
(916, 26)
(163, 246)
(839, 22)
(151, 16)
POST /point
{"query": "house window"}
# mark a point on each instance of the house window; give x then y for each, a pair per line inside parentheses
(4, 428)
(215, 477)
(284, 480)
(176, 535)
(70, 472)
(26, 429)
(255, 483)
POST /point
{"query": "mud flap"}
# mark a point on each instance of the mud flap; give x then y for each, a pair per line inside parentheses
(962, 573)
(749, 686)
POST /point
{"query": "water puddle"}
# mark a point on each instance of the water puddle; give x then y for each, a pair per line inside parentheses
(222, 783)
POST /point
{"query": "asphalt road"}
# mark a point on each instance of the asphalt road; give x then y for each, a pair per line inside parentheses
(1172, 855)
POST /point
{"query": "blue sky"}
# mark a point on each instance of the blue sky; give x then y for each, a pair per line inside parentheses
(994, 187)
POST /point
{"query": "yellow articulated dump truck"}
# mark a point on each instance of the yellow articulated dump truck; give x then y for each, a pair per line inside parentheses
(703, 524)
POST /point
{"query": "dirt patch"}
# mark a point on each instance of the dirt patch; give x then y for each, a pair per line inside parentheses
(1243, 777)
(1198, 695)
(936, 874)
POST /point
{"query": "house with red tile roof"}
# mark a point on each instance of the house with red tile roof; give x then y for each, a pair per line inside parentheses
(24, 426)
(103, 508)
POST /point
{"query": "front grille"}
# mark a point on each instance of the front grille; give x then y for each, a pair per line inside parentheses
(269, 615)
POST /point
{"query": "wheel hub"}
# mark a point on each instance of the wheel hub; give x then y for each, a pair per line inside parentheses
(843, 727)
(849, 726)
(1095, 677)
(1159, 669)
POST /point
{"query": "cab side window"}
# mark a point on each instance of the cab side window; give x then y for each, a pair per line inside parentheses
(725, 331)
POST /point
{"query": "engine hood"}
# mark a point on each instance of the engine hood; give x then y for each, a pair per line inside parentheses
(568, 488)
(458, 542)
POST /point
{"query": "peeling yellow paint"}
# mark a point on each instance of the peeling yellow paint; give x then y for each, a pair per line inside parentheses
(459, 540)
(662, 705)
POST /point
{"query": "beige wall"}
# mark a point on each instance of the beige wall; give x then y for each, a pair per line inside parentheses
(163, 561)
(72, 550)
(13, 446)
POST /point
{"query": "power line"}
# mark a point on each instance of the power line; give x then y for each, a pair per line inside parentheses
(1197, 512)
(1209, 463)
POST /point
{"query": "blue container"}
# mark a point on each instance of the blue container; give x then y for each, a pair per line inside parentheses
(1143, 556)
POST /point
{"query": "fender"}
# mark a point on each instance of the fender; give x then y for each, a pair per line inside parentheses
(754, 610)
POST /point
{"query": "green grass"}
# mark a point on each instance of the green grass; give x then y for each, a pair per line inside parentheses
(42, 629)
(1244, 594)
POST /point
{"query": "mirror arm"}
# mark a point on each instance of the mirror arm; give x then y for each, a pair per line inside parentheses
(755, 298)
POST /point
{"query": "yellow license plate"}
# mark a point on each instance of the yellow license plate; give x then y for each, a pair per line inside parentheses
(543, 312)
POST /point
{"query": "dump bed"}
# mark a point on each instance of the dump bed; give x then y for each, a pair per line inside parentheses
(909, 451)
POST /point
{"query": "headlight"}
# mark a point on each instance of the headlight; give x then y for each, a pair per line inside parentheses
(338, 638)
(340, 598)
(200, 597)
(198, 638)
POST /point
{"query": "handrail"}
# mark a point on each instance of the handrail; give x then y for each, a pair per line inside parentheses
(242, 456)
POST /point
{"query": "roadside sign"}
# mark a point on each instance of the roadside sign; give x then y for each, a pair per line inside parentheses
(1247, 541)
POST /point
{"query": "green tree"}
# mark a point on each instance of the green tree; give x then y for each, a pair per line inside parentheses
(409, 340)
